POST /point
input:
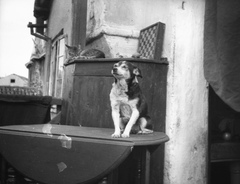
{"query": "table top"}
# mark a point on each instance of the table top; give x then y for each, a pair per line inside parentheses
(68, 152)
(88, 133)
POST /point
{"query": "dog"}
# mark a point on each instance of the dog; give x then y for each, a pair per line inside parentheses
(128, 104)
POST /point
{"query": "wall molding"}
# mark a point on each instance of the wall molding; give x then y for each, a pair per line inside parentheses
(111, 31)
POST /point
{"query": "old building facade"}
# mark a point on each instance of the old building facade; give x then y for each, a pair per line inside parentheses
(113, 27)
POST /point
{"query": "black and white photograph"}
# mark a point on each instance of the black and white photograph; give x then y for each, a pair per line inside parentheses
(119, 92)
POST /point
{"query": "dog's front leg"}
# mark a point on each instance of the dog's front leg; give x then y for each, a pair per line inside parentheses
(132, 121)
(117, 122)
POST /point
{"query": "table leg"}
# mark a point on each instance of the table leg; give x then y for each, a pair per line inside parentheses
(147, 166)
(143, 166)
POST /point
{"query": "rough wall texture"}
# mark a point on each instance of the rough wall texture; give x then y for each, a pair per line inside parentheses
(35, 78)
(117, 25)
(186, 153)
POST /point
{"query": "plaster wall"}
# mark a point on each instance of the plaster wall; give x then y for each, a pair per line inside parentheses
(60, 18)
(120, 21)
(187, 106)
(116, 24)
(35, 77)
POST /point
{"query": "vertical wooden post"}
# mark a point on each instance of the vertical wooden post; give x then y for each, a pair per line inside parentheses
(79, 19)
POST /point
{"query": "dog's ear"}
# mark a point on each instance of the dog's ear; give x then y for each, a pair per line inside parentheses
(137, 72)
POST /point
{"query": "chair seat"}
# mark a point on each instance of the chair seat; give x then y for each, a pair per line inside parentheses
(67, 154)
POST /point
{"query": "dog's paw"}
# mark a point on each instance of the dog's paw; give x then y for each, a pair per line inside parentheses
(145, 131)
(116, 135)
(125, 135)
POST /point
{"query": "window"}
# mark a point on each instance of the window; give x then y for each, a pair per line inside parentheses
(56, 70)
(59, 68)
(12, 81)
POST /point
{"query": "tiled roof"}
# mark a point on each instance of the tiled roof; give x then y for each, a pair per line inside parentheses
(15, 90)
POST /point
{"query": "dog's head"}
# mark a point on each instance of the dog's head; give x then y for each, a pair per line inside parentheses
(125, 70)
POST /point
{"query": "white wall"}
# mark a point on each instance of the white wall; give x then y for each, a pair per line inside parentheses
(187, 106)
(6, 81)
(60, 18)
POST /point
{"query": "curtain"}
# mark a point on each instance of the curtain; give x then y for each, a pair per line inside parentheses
(222, 49)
